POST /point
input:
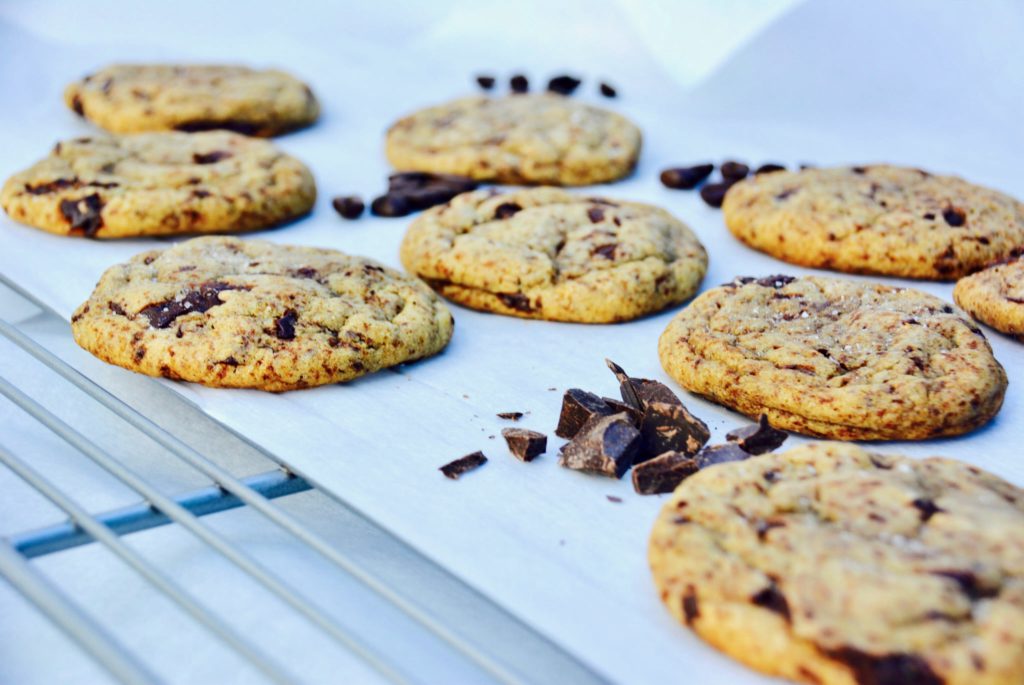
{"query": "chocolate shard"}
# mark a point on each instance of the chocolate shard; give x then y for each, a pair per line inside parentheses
(349, 206)
(663, 473)
(210, 157)
(202, 298)
(422, 190)
(525, 445)
(769, 168)
(886, 669)
(720, 454)
(564, 85)
(284, 325)
(758, 438)
(618, 407)
(510, 415)
(506, 209)
(578, 407)
(686, 178)
(734, 171)
(608, 90)
(626, 386)
(84, 214)
(461, 465)
(670, 427)
(606, 445)
(772, 599)
(485, 81)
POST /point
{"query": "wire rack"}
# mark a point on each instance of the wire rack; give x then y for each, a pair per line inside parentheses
(500, 647)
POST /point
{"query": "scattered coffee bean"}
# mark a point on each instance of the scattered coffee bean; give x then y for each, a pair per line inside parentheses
(758, 438)
(461, 465)
(719, 454)
(390, 206)
(510, 415)
(349, 206)
(525, 445)
(519, 84)
(769, 168)
(564, 85)
(667, 427)
(578, 407)
(605, 445)
(485, 82)
(663, 473)
(608, 91)
(713, 194)
(734, 171)
(686, 178)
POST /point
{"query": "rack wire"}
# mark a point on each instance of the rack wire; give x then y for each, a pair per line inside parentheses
(504, 649)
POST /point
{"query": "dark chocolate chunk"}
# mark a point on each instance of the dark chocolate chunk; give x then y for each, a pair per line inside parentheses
(954, 216)
(52, 186)
(618, 406)
(607, 90)
(595, 214)
(517, 301)
(886, 669)
(510, 415)
(525, 444)
(686, 178)
(578, 407)
(927, 508)
(284, 326)
(83, 214)
(422, 190)
(606, 251)
(772, 599)
(667, 427)
(768, 168)
(734, 171)
(485, 82)
(210, 157)
(757, 438)
(626, 386)
(76, 104)
(206, 296)
(461, 465)
(390, 206)
(719, 454)
(662, 473)
(606, 445)
(564, 85)
(713, 194)
(519, 84)
(970, 584)
(246, 128)
(349, 206)
(859, 170)
(506, 209)
(649, 391)
(691, 611)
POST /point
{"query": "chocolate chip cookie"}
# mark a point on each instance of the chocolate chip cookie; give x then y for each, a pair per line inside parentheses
(521, 139)
(151, 184)
(836, 359)
(544, 253)
(995, 296)
(132, 98)
(252, 314)
(875, 219)
(832, 565)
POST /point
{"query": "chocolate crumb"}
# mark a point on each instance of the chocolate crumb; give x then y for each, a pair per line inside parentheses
(758, 438)
(613, 498)
(663, 473)
(525, 445)
(510, 415)
(349, 206)
(462, 465)
(607, 90)
(686, 178)
(519, 84)
(485, 82)
(564, 85)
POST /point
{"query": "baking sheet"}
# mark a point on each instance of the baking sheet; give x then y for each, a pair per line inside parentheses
(827, 82)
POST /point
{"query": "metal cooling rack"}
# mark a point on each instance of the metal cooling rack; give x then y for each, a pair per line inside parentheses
(501, 647)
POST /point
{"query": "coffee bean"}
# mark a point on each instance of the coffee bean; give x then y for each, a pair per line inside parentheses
(563, 85)
(485, 82)
(519, 84)
(686, 178)
(769, 168)
(349, 206)
(714, 193)
(390, 206)
(734, 171)
(607, 90)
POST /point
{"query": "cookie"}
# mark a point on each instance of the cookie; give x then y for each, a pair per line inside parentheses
(875, 219)
(832, 565)
(543, 253)
(520, 139)
(995, 297)
(151, 184)
(227, 313)
(836, 359)
(134, 98)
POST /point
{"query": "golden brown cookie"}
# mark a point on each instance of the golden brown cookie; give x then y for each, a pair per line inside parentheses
(523, 139)
(133, 98)
(544, 253)
(995, 296)
(831, 565)
(252, 314)
(160, 184)
(835, 358)
(875, 219)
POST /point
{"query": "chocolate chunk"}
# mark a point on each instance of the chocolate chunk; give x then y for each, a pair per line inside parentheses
(506, 209)
(84, 214)
(390, 206)
(859, 170)
(210, 157)
(595, 214)
(713, 194)
(76, 104)
(607, 90)
(206, 296)
(776, 281)
(563, 85)
(662, 473)
(510, 415)
(52, 186)
(605, 445)
(758, 438)
(606, 251)
(772, 599)
(348, 206)
(578, 407)
(668, 427)
(284, 326)
(970, 584)
(690, 609)
(485, 82)
(768, 168)
(788, 192)
(524, 444)
(686, 178)
(618, 406)
(885, 669)
(422, 190)
(720, 454)
(519, 84)
(246, 128)
(927, 508)
(517, 301)
(954, 216)
(461, 465)
(734, 171)
(649, 391)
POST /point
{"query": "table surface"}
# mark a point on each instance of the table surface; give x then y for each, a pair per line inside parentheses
(822, 82)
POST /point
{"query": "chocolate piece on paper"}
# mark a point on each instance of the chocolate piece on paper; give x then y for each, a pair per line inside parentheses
(510, 415)
(606, 445)
(720, 454)
(669, 427)
(578, 407)
(525, 445)
(462, 465)
(663, 473)
(758, 438)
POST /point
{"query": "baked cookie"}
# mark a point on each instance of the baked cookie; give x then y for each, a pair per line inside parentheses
(831, 565)
(875, 219)
(544, 253)
(252, 314)
(521, 139)
(836, 359)
(132, 98)
(995, 296)
(160, 184)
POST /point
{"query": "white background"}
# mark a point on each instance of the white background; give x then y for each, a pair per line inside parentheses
(931, 84)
